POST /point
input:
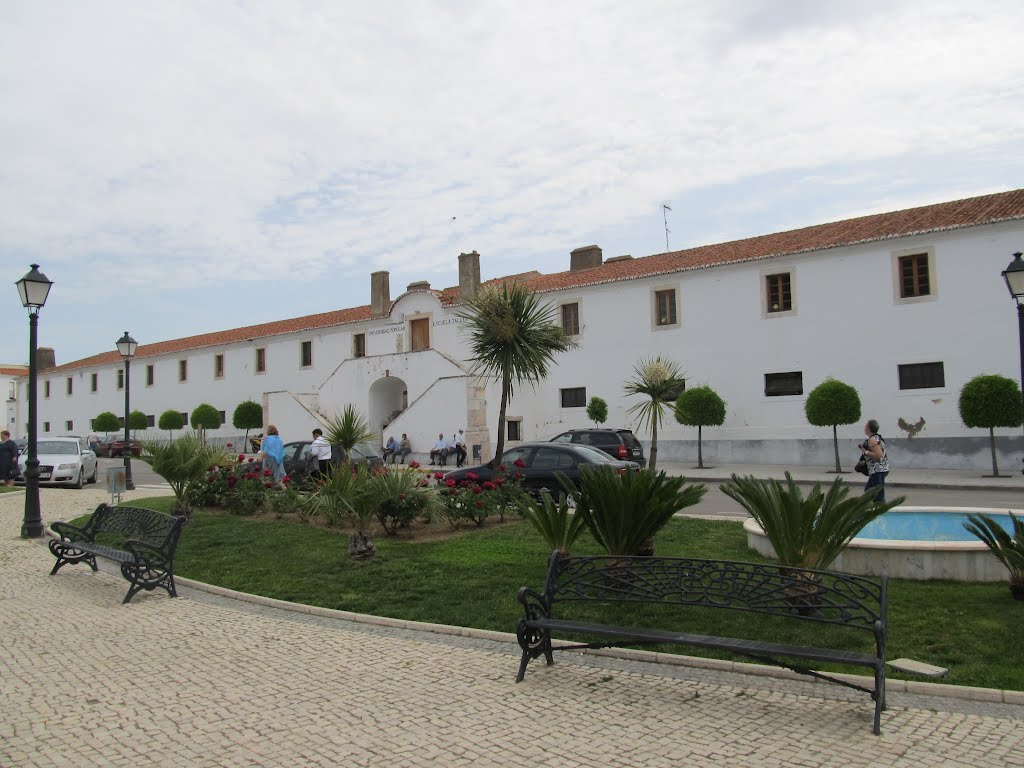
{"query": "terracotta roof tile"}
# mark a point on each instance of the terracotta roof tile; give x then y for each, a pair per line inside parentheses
(987, 209)
(13, 371)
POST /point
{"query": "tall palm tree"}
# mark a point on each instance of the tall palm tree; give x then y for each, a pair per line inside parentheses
(658, 380)
(514, 338)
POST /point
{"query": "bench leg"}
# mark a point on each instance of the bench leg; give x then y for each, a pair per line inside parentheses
(148, 577)
(879, 697)
(66, 554)
(534, 643)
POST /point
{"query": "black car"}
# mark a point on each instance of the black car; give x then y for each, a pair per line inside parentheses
(299, 463)
(540, 461)
(618, 443)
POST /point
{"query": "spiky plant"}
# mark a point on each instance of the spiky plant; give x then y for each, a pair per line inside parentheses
(348, 429)
(1008, 549)
(181, 462)
(657, 380)
(399, 496)
(623, 512)
(806, 532)
(513, 337)
(554, 521)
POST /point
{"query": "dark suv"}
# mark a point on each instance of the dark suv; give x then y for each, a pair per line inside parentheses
(620, 444)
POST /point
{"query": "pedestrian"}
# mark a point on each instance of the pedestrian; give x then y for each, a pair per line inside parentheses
(877, 458)
(460, 448)
(94, 442)
(404, 449)
(8, 459)
(390, 447)
(320, 450)
(440, 450)
(272, 449)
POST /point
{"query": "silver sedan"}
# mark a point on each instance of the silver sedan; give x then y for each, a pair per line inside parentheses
(63, 460)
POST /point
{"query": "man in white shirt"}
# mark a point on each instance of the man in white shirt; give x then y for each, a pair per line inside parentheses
(440, 450)
(460, 448)
(320, 450)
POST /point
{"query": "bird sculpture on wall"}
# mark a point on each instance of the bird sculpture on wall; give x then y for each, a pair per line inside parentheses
(911, 429)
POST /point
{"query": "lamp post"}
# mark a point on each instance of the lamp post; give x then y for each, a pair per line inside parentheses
(33, 289)
(126, 346)
(1014, 277)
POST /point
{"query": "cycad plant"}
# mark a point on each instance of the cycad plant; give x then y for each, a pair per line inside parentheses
(623, 512)
(181, 462)
(1008, 549)
(399, 496)
(806, 532)
(554, 521)
(348, 494)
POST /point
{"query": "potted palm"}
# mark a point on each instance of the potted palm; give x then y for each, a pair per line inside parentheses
(1008, 549)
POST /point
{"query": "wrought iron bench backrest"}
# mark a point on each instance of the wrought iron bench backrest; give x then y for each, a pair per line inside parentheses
(824, 596)
(146, 525)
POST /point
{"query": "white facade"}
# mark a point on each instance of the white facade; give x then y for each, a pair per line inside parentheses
(847, 320)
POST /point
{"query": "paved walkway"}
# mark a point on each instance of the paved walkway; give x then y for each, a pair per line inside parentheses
(208, 681)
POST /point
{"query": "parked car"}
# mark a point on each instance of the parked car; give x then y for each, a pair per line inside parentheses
(62, 460)
(299, 464)
(541, 461)
(618, 443)
(113, 445)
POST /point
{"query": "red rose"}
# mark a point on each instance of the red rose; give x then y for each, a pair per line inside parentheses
(231, 445)
(286, 479)
(472, 476)
(489, 486)
(414, 465)
(268, 485)
(439, 475)
(266, 473)
(251, 459)
(450, 483)
(241, 457)
(476, 489)
(519, 463)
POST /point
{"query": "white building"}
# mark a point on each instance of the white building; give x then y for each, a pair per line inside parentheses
(10, 376)
(904, 306)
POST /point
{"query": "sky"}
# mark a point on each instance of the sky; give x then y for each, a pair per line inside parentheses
(181, 167)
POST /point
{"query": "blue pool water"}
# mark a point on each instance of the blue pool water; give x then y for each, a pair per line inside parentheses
(930, 525)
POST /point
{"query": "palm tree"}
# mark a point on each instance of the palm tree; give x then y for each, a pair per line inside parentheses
(348, 430)
(659, 380)
(181, 462)
(514, 338)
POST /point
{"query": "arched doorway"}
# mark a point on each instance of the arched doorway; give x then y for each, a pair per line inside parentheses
(389, 396)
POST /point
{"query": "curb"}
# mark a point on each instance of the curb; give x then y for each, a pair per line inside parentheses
(968, 693)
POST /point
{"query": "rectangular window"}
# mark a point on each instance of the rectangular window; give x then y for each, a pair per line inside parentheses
(150, 375)
(779, 295)
(71, 386)
(779, 384)
(218, 366)
(183, 370)
(574, 397)
(46, 426)
(120, 422)
(94, 382)
(46, 388)
(184, 418)
(914, 276)
(666, 307)
(922, 376)
(420, 332)
(69, 425)
(306, 354)
(150, 420)
(120, 378)
(359, 345)
(261, 360)
(515, 430)
(571, 319)
(223, 417)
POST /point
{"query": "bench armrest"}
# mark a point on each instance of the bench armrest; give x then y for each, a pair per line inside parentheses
(533, 603)
(70, 532)
(142, 551)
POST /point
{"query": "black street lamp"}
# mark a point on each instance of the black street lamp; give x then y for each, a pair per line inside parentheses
(1014, 277)
(126, 346)
(33, 289)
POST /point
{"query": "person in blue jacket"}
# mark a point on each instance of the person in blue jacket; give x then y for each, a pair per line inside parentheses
(273, 453)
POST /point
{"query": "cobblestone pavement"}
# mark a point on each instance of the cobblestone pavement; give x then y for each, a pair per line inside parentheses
(208, 681)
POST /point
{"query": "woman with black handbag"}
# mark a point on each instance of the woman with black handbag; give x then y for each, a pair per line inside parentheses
(874, 453)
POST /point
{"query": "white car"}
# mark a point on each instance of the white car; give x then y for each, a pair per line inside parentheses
(63, 460)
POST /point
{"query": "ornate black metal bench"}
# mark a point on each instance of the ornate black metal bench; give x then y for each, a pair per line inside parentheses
(819, 596)
(141, 540)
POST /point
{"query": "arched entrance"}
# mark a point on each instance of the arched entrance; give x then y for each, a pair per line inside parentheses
(389, 396)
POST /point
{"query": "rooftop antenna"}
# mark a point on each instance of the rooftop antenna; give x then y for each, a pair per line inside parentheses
(665, 208)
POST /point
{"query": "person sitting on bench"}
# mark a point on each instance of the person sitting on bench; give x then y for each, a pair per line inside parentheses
(439, 451)
(389, 448)
(404, 449)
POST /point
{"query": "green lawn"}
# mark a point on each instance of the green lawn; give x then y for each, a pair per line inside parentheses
(472, 578)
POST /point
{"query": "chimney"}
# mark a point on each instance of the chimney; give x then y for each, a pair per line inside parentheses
(615, 259)
(469, 275)
(587, 257)
(46, 358)
(419, 285)
(380, 294)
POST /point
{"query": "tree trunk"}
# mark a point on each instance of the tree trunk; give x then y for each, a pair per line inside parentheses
(700, 453)
(835, 446)
(992, 444)
(653, 463)
(500, 447)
